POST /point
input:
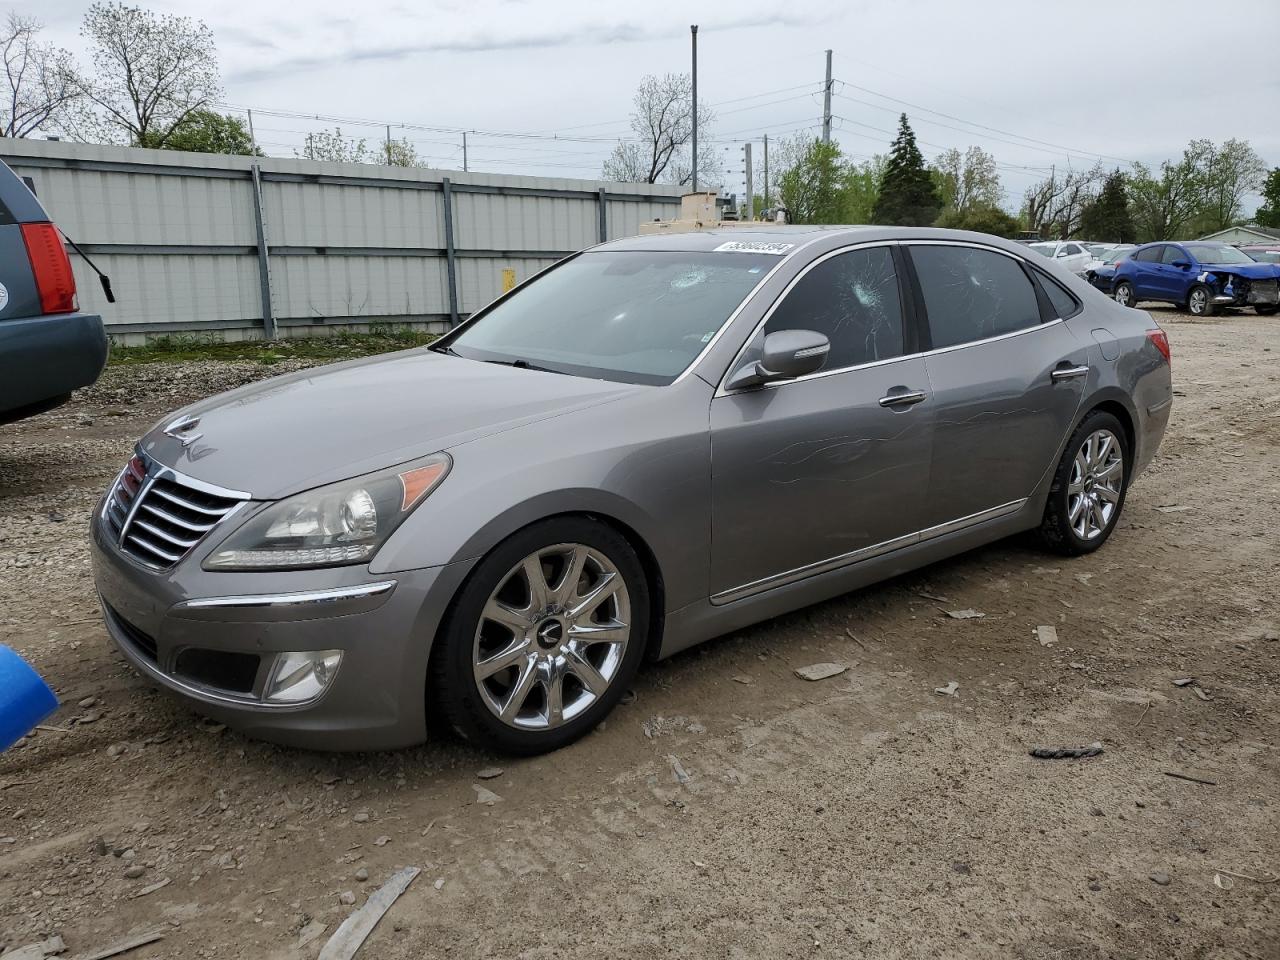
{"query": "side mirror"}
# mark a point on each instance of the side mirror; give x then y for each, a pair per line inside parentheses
(1182, 264)
(786, 354)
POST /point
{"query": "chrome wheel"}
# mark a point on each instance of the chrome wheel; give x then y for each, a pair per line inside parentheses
(552, 636)
(1124, 295)
(1097, 479)
(1199, 300)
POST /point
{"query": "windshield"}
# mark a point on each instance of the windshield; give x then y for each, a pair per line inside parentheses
(1265, 256)
(634, 316)
(1099, 250)
(1217, 253)
(1115, 256)
(1044, 249)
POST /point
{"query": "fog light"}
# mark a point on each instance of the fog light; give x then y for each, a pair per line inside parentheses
(302, 675)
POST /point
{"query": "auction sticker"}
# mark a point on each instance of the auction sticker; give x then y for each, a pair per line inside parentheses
(754, 246)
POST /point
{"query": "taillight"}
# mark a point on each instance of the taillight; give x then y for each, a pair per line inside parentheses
(1161, 341)
(51, 267)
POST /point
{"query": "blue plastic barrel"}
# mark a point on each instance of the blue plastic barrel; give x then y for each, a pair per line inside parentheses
(25, 699)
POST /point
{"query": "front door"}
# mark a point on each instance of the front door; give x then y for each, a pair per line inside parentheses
(819, 472)
(1006, 385)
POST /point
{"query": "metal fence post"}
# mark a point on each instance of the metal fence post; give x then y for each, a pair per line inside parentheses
(604, 220)
(450, 252)
(264, 265)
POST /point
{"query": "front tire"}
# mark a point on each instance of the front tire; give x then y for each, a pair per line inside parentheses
(1089, 487)
(1123, 294)
(543, 638)
(1200, 301)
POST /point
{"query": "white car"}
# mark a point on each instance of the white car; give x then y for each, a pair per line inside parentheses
(1105, 255)
(1066, 253)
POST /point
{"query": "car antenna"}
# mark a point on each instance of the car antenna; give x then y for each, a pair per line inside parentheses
(102, 277)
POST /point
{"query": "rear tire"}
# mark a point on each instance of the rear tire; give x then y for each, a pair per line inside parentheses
(543, 639)
(1200, 301)
(1266, 310)
(1123, 294)
(1089, 487)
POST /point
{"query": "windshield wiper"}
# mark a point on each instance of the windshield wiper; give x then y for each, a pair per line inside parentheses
(522, 364)
(446, 349)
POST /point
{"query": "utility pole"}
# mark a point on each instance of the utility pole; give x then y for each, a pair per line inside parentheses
(693, 30)
(252, 139)
(766, 171)
(751, 192)
(464, 152)
(388, 144)
(826, 104)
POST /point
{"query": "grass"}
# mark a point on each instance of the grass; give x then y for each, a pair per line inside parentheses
(338, 346)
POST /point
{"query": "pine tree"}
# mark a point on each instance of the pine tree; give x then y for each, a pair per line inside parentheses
(908, 197)
(1106, 218)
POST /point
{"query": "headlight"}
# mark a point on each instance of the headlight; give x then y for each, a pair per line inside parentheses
(342, 523)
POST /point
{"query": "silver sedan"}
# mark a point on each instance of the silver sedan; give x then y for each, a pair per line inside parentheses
(654, 442)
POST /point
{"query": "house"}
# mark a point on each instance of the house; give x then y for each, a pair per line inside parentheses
(1244, 235)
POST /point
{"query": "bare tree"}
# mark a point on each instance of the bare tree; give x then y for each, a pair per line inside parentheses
(151, 73)
(337, 147)
(1058, 203)
(662, 124)
(42, 79)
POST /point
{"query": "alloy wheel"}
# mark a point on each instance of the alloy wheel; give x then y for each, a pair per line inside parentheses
(552, 636)
(1097, 480)
(1199, 298)
(1123, 295)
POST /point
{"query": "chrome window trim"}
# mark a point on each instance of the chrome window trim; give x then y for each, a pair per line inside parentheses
(721, 391)
(843, 560)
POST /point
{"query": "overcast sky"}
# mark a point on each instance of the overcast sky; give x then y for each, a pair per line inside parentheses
(1131, 80)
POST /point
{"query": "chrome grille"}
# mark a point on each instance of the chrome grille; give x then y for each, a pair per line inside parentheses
(157, 516)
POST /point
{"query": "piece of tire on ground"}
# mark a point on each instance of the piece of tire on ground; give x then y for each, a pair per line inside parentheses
(468, 704)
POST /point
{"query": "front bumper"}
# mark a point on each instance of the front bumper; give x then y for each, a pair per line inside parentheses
(212, 640)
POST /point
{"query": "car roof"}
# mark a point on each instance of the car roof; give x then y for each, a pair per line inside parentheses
(798, 236)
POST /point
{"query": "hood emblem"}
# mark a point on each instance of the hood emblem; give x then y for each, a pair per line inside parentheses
(183, 429)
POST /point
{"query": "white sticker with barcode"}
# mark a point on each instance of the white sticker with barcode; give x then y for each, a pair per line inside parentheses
(754, 246)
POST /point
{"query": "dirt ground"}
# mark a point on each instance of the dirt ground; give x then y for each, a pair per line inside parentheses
(865, 815)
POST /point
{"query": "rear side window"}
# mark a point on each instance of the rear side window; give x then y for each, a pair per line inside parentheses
(972, 294)
(853, 298)
(1064, 304)
(1149, 255)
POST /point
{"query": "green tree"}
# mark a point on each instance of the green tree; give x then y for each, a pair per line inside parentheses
(859, 192)
(1230, 173)
(1106, 217)
(206, 131)
(907, 195)
(981, 218)
(1268, 214)
(337, 147)
(812, 185)
(968, 179)
(1164, 206)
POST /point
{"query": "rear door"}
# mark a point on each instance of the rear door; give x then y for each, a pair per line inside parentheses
(818, 472)
(1007, 377)
(1146, 272)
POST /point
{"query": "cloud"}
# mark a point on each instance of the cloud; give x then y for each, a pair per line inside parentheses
(589, 34)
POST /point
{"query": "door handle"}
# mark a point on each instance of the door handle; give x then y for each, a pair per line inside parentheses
(905, 399)
(1069, 373)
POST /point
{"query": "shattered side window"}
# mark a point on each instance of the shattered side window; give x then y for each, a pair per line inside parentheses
(853, 299)
(972, 294)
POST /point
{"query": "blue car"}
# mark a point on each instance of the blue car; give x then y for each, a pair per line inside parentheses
(1198, 276)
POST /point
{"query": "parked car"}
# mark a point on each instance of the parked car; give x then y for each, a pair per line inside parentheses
(1263, 254)
(649, 444)
(1066, 253)
(1101, 271)
(1199, 276)
(47, 346)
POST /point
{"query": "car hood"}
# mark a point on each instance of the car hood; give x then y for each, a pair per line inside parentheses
(290, 433)
(1252, 271)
